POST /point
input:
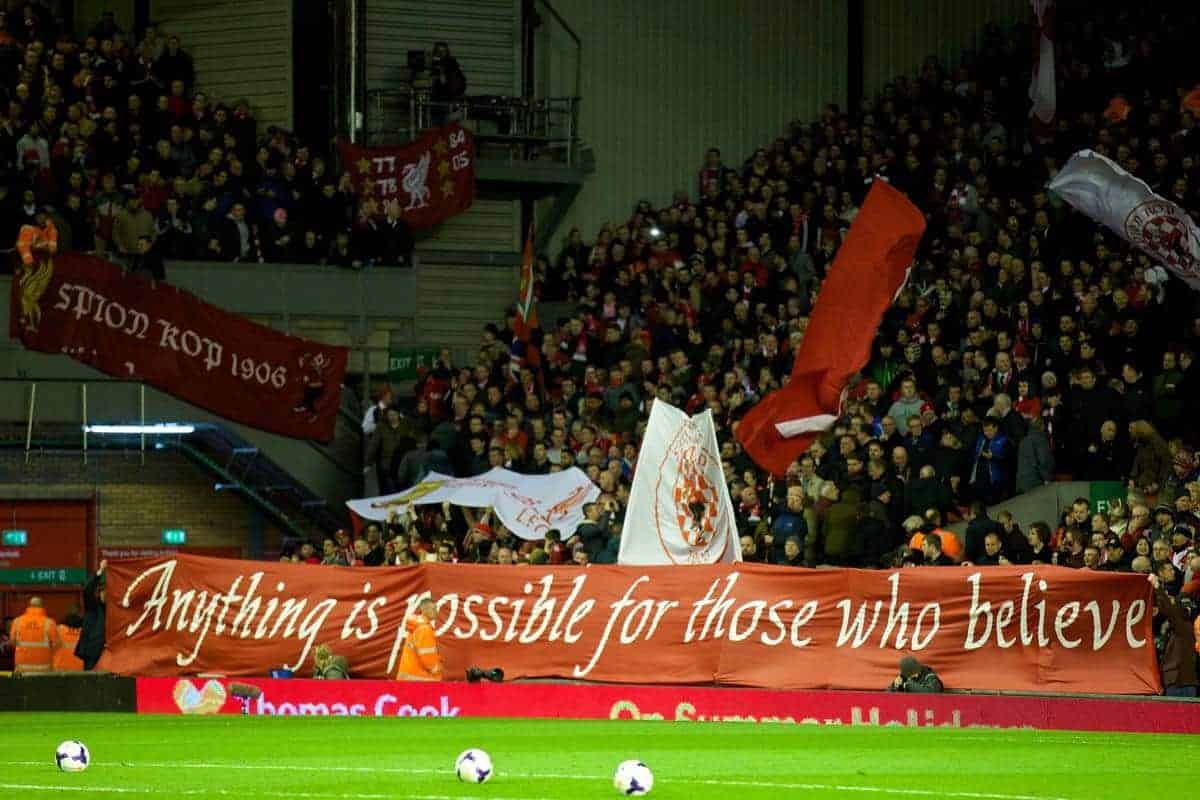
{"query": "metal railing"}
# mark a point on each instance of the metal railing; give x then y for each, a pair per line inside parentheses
(534, 127)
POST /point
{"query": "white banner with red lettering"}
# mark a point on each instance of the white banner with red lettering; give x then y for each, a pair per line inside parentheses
(680, 511)
(528, 505)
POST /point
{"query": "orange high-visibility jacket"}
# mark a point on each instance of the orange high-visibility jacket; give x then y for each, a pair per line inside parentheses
(419, 661)
(65, 659)
(34, 636)
(32, 237)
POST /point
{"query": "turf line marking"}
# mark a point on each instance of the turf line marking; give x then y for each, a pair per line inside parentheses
(804, 787)
(242, 793)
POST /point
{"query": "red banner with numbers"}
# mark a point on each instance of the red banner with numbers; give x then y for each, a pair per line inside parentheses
(431, 178)
(129, 327)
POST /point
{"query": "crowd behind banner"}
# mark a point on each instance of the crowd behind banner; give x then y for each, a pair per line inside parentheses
(1029, 344)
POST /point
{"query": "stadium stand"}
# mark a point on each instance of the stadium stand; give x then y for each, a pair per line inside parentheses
(1078, 348)
(1017, 312)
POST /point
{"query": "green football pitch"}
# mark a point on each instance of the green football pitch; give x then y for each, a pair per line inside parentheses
(378, 758)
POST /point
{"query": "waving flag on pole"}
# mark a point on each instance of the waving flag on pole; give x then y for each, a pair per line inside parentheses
(1042, 89)
(522, 351)
(869, 270)
(680, 511)
(1124, 204)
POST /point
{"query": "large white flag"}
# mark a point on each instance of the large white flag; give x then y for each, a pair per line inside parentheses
(679, 507)
(1122, 202)
(528, 505)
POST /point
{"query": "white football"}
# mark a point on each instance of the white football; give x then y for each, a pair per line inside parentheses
(633, 778)
(473, 766)
(72, 756)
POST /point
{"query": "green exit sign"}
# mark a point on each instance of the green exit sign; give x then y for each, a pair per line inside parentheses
(43, 575)
(16, 538)
(174, 536)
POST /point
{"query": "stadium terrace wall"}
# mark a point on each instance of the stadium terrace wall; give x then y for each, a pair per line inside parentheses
(135, 502)
(898, 35)
(674, 703)
(240, 49)
(662, 82)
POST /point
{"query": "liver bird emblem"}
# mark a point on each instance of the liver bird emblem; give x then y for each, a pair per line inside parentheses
(413, 180)
(33, 281)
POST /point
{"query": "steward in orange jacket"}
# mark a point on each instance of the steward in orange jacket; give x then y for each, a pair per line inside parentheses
(65, 659)
(34, 637)
(37, 239)
(419, 661)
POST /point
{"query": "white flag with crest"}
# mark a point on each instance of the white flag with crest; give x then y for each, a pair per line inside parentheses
(679, 510)
(1124, 203)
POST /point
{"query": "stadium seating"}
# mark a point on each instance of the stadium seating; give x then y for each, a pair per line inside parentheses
(1016, 309)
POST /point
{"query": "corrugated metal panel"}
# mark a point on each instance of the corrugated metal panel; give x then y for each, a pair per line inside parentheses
(88, 13)
(484, 35)
(900, 34)
(456, 318)
(663, 81)
(240, 49)
(488, 225)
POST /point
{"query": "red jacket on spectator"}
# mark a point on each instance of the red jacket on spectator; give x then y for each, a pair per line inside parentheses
(761, 274)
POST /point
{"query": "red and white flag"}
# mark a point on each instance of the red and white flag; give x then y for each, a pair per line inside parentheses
(1123, 203)
(1042, 89)
(523, 351)
(680, 511)
(869, 270)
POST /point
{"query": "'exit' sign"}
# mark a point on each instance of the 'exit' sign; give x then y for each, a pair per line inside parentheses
(16, 538)
(174, 536)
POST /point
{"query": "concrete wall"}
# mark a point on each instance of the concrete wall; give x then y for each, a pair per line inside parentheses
(663, 81)
(900, 34)
(88, 12)
(240, 48)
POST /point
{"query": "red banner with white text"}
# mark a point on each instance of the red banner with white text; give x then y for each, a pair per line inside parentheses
(129, 327)
(432, 178)
(297, 697)
(1004, 628)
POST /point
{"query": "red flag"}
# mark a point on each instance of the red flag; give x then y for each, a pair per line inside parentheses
(1043, 90)
(431, 178)
(869, 269)
(523, 352)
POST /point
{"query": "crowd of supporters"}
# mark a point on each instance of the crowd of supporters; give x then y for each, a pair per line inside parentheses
(112, 140)
(1029, 345)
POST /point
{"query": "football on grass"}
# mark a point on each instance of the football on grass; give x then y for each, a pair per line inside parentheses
(473, 766)
(633, 778)
(72, 756)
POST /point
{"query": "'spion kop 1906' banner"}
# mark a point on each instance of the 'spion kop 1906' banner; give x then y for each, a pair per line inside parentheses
(125, 326)
(1008, 628)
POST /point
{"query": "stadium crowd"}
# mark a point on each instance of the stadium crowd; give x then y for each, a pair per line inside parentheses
(113, 142)
(1028, 346)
